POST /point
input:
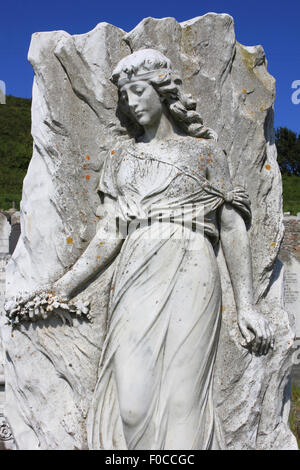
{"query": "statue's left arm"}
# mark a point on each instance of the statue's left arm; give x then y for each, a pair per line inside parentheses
(237, 252)
(102, 249)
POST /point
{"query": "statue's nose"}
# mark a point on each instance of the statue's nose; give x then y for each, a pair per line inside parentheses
(133, 106)
(132, 102)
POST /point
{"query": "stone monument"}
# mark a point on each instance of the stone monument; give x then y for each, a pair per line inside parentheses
(2, 92)
(141, 127)
(6, 440)
(290, 256)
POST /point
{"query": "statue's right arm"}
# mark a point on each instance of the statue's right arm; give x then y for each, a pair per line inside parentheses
(101, 250)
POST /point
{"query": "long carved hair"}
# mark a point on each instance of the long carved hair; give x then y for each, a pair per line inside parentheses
(152, 66)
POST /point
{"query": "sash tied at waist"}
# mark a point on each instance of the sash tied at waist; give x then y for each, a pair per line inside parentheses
(188, 216)
(193, 213)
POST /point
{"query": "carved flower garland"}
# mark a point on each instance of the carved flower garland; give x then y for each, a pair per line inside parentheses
(41, 306)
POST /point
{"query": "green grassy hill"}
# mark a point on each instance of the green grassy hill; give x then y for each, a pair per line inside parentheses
(15, 148)
(291, 194)
(16, 151)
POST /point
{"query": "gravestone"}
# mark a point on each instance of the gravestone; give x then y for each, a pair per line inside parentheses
(6, 439)
(51, 367)
(290, 256)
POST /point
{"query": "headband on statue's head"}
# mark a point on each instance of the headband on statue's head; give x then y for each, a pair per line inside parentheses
(159, 75)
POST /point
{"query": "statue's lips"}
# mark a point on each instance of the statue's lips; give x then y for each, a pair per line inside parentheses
(139, 114)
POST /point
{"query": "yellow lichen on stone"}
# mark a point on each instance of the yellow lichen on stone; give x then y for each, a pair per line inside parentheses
(247, 57)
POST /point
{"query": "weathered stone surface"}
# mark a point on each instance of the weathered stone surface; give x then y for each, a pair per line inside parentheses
(290, 256)
(6, 441)
(4, 234)
(2, 92)
(52, 363)
(52, 368)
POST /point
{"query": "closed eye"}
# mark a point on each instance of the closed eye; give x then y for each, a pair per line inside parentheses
(139, 91)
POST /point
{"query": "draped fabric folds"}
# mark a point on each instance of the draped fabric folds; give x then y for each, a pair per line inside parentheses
(154, 389)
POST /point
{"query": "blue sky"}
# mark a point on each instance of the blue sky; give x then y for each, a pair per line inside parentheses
(275, 25)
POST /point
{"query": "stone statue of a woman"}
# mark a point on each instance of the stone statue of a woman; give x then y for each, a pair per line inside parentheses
(171, 179)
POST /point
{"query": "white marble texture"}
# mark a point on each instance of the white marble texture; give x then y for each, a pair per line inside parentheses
(52, 368)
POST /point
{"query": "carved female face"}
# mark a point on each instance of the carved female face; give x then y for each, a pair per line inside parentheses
(142, 101)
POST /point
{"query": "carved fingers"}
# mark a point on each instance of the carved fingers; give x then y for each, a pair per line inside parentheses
(256, 330)
(210, 134)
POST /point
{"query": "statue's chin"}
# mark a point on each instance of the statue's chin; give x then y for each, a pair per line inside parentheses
(143, 120)
(147, 119)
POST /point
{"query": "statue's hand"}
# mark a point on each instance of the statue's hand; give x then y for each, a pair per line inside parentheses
(256, 330)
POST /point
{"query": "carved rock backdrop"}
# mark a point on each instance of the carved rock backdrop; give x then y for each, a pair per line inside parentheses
(51, 368)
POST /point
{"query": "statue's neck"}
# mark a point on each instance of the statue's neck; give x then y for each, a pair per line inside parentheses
(162, 129)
